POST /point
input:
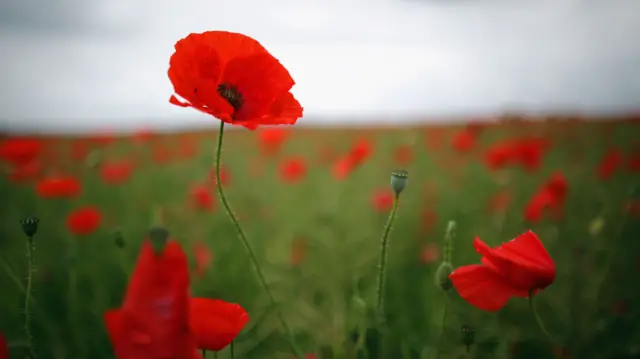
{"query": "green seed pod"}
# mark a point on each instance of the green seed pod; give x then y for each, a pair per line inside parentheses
(159, 237)
(30, 225)
(399, 180)
(442, 276)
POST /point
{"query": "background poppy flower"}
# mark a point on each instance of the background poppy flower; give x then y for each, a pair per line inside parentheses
(232, 77)
(511, 269)
(216, 323)
(84, 221)
(58, 187)
(153, 320)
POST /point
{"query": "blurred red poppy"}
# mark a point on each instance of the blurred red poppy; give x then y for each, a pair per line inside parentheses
(464, 141)
(25, 172)
(19, 150)
(216, 323)
(552, 195)
(271, 139)
(153, 321)
(233, 78)
(84, 221)
(293, 169)
(203, 257)
(225, 176)
(116, 172)
(60, 186)
(4, 347)
(610, 163)
(202, 197)
(511, 269)
(403, 155)
(382, 200)
(430, 253)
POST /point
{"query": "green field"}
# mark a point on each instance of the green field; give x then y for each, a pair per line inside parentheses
(318, 241)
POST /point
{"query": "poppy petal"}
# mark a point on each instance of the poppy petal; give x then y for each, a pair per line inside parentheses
(113, 322)
(285, 110)
(261, 79)
(230, 45)
(481, 287)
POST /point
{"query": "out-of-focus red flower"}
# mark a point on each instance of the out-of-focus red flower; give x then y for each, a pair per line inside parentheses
(435, 138)
(153, 321)
(552, 194)
(161, 154)
(58, 187)
(609, 164)
(4, 347)
(233, 78)
(202, 197)
(79, 150)
(19, 150)
(430, 253)
(203, 257)
(464, 141)
(116, 172)
(634, 163)
(429, 219)
(225, 176)
(216, 323)
(382, 200)
(271, 139)
(298, 251)
(499, 155)
(403, 155)
(500, 201)
(142, 136)
(529, 152)
(26, 172)
(512, 269)
(84, 221)
(359, 153)
(293, 169)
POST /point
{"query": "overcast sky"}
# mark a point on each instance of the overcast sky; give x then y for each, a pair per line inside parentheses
(101, 64)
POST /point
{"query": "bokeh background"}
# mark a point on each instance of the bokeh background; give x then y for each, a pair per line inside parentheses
(485, 103)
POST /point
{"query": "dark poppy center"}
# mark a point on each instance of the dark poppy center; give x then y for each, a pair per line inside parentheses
(231, 94)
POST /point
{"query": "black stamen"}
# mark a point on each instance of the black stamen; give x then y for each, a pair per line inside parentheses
(231, 94)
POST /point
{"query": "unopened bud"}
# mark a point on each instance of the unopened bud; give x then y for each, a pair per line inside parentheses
(442, 276)
(468, 336)
(399, 180)
(30, 225)
(596, 226)
(159, 237)
(118, 239)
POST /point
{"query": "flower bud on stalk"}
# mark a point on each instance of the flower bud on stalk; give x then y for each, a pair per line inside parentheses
(399, 180)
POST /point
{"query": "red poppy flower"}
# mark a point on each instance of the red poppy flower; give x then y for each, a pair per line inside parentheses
(19, 150)
(271, 139)
(430, 253)
(382, 200)
(153, 321)
(116, 172)
(202, 197)
(293, 169)
(4, 347)
(232, 77)
(511, 269)
(609, 164)
(84, 221)
(58, 187)
(203, 257)
(216, 323)
(551, 195)
(498, 155)
(464, 141)
(25, 172)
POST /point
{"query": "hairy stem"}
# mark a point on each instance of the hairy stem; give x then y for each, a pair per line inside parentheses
(384, 244)
(27, 300)
(247, 245)
(442, 324)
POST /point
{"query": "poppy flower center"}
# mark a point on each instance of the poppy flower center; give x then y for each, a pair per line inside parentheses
(231, 94)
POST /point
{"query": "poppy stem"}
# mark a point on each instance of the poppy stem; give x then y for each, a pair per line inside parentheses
(443, 323)
(247, 245)
(537, 317)
(384, 244)
(27, 301)
(215, 355)
(204, 353)
(232, 350)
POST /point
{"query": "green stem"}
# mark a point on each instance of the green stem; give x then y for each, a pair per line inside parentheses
(537, 317)
(444, 321)
(232, 350)
(204, 353)
(247, 245)
(215, 355)
(384, 244)
(27, 300)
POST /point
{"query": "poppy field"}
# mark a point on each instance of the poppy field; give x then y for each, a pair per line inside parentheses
(109, 243)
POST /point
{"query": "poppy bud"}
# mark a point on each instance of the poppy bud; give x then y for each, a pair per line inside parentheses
(468, 336)
(442, 276)
(30, 225)
(448, 241)
(119, 238)
(596, 226)
(159, 237)
(399, 180)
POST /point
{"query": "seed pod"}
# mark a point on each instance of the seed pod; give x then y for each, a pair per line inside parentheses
(30, 225)
(399, 180)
